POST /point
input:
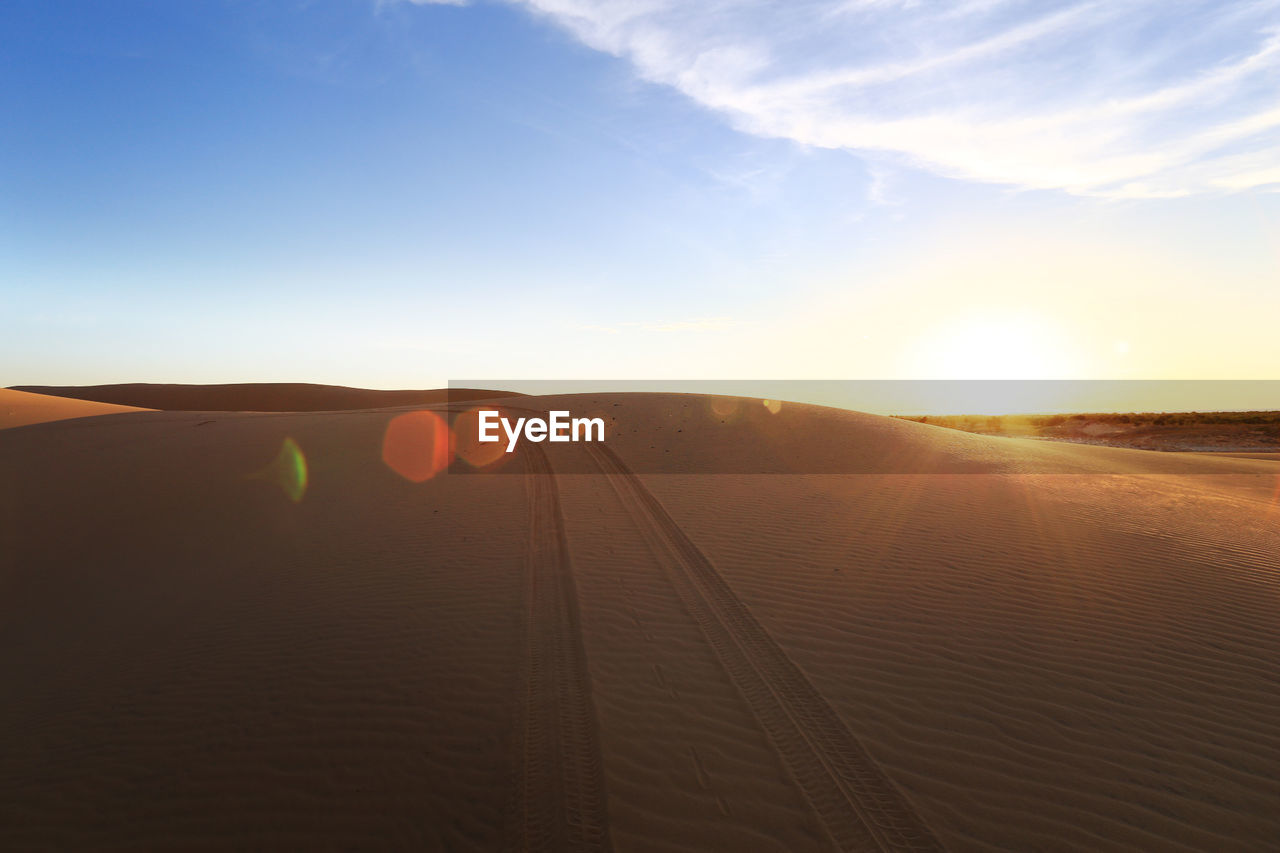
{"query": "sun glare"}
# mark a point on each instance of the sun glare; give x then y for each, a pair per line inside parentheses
(1005, 346)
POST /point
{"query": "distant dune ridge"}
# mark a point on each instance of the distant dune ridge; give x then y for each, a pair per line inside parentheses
(945, 651)
(19, 408)
(255, 397)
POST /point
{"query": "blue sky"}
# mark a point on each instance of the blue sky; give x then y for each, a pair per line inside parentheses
(391, 194)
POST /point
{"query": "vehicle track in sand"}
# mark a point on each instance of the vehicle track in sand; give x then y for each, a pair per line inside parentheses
(858, 806)
(560, 799)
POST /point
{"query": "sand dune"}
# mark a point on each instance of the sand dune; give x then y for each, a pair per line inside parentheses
(256, 397)
(19, 408)
(958, 642)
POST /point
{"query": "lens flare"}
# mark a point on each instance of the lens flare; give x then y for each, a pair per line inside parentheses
(774, 406)
(417, 445)
(467, 444)
(725, 408)
(288, 471)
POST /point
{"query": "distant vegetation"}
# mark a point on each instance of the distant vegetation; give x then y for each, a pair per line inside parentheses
(983, 423)
(1152, 430)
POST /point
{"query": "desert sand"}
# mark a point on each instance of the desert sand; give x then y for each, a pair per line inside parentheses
(19, 408)
(239, 630)
(253, 396)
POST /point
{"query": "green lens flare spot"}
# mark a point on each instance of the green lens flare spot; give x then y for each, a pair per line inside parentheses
(288, 471)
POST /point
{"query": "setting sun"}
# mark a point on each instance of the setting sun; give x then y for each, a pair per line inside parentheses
(1003, 345)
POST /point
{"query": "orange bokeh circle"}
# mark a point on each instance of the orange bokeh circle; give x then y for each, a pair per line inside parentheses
(417, 445)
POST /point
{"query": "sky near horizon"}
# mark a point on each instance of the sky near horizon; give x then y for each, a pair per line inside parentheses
(393, 194)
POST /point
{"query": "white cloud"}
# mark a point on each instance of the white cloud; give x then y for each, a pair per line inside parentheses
(1116, 98)
(702, 324)
(710, 324)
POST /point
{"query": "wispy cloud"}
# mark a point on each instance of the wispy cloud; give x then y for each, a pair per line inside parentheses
(1117, 98)
(710, 324)
(705, 324)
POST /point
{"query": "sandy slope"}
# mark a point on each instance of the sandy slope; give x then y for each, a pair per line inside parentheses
(976, 643)
(19, 408)
(254, 396)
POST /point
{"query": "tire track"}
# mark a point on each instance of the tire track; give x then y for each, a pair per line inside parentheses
(858, 805)
(559, 778)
